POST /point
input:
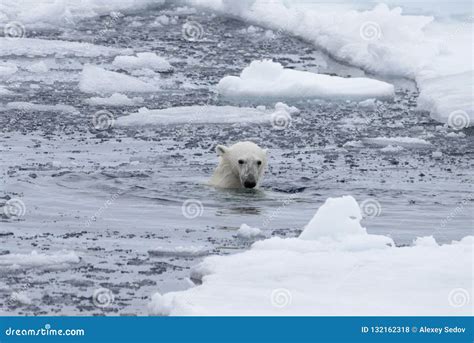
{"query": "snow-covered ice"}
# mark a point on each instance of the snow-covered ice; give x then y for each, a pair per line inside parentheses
(383, 40)
(32, 107)
(35, 47)
(21, 297)
(65, 12)
(143, 60)
(36, 259)
(389, 149)
(116, 99)
(5, 92)
(104, 207)
(246, 231)
(333, 268)
(7, 69)
(98, 80)
(269, 79)
(401, 141)
(196, 115)
(180, 250)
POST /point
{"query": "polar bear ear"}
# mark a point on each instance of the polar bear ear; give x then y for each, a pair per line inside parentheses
(221, 149)
(265, 151)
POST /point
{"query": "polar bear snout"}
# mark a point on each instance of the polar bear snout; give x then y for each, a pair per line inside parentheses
(250, 184)
(249, 172)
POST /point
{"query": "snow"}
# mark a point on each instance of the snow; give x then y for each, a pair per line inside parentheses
(36, 259)
(116, 99)
(400, 141)
(270, 79)
(64, 12)
(449, 99)
(32, 107)
(98, 80)
(39, 67)
(248, 232)
(143, 60)
(5, 92)
(33, 47)
(195, 115)
(334, 268)
(392, 149)
(21, 297)
(437, 54)
(7, 69)
(338, 219)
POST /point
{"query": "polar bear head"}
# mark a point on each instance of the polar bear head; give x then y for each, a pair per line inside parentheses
(241, 165)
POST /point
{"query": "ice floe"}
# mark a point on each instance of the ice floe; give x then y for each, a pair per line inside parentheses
(179, 251)
(248, 232)
(269, 79)
(34, 47)
(115, 99)
(37, 259)
(98, 80)
(334, 268)
(32, 107)
(143, 60)
(204, 114)
(400, 141)
(383, 40)
(65, 12)
(7, 69)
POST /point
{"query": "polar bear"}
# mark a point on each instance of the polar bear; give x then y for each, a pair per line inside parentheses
(240, 166)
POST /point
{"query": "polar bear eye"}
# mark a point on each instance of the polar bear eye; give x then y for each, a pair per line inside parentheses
(241, 161)
(259, 163)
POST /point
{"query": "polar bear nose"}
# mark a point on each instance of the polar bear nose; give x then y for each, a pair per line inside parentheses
(250, 184)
